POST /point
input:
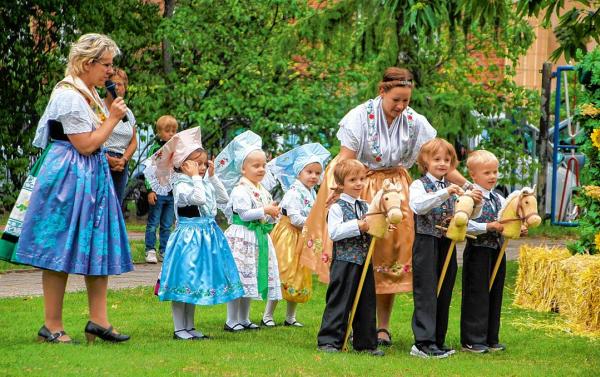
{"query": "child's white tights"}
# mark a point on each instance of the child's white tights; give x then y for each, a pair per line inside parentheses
(183, 319)
(290, 316)
(238, 312)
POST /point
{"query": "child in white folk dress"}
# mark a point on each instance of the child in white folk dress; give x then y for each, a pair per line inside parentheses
(241, 166)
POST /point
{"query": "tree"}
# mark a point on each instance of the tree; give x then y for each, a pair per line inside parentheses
(577, 26)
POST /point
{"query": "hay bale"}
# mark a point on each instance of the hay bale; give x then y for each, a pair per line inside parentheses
(536, 287)
(579, 293)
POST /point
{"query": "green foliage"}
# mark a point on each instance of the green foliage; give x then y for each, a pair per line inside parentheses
(285, 69)
(589, 74)
(577, 26)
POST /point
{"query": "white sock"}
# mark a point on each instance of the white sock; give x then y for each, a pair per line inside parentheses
(269, 310)
(290, 316)
(233, 312)
(244, 311)
(178, 309)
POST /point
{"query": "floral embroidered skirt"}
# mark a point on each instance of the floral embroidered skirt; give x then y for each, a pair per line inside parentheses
(296, 279)
(74, 222)
(198, 267)
(244, 247)
(392, 258)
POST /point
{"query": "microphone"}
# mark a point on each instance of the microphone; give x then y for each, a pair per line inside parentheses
(110, 87)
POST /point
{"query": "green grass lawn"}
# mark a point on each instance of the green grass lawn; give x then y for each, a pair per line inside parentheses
(534, 347)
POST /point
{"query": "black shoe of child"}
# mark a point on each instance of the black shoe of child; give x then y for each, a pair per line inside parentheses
(448, 350)
(475, 348)
(235, 328)
(268, 323)
(497, 347)
(250, 326)
(427, 351)
(177, 335)
(374, 352)
(328, 348)
(294, 324)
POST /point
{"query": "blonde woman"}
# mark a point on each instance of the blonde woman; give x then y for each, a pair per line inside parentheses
(74, 224)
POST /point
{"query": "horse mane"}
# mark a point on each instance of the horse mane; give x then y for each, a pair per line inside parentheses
(513, 195)
(375, 201)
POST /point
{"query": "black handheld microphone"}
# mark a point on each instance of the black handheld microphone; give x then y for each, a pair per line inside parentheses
(110, 87)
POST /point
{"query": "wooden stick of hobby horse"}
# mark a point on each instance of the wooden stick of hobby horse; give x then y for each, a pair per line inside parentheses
(447, 261)
(498, 261)
(445, 268)
(357, 297)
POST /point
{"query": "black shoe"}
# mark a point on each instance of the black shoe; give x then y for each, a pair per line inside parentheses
(384, 342)
(267, 323)
(45, 336)
(93, 330)
(251, 326)
(294, 324)
(176, 335)
(496, 347)
(197, 335)
(475, 348)
(448, 350)
(427, 351)
(328, 348)
(374, 352)
(235, 328)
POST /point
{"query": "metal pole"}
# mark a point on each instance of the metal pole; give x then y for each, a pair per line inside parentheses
(542, 141)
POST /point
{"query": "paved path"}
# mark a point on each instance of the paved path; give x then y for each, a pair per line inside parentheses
(28, 283)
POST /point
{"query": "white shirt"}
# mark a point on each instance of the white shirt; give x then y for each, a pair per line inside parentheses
(421, 201)
(205, 193)
(298, 201)
(475, 227)
(338, 229)
(119, 139)
(248, 202)
(399, 143)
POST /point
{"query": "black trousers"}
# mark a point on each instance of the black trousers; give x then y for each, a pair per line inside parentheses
(430, 316)
(480, 310)
(344, 280)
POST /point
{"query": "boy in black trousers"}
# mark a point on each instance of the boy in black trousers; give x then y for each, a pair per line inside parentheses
(348, 230)
(432, 200)
(481, 307)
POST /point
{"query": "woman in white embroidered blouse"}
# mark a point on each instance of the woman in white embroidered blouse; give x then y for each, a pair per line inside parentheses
(385, 134)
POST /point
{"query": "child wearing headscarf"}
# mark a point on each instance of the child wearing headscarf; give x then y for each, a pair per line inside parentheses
(298, 171)
(241, 166)
(198, 268)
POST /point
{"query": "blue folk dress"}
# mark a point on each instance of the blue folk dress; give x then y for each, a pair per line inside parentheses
(73, 223)
(198, 267)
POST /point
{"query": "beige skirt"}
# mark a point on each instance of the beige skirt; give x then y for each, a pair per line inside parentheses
(392, 258)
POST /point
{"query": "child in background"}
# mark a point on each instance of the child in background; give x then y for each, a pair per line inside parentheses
(347, 230)
(251, 212)
(481, 307)
(198, 268)
(160, 197)
(432, 200)
(298, 171)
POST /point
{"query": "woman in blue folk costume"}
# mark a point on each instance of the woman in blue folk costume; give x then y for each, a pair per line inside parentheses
(241, 166)
(298, 171)
(74, 223)
(198, 268)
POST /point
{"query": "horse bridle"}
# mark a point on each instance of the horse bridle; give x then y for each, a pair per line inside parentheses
(520, 209)
(385, 213)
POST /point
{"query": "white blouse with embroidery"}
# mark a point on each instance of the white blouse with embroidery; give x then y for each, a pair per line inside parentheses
(297, 202)
(248, 201)
(205, 193)
(365, 131)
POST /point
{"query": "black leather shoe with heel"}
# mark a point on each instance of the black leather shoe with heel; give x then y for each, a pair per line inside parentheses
(93, 330)
(46, 336)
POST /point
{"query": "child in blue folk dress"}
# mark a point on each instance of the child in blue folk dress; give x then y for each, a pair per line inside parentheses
(198, 268)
